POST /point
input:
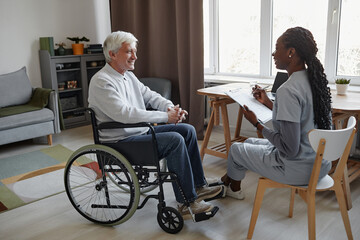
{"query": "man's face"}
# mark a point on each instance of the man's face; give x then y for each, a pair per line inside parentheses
(125, 58)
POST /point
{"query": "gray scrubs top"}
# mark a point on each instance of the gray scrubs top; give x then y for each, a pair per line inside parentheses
(294, 98)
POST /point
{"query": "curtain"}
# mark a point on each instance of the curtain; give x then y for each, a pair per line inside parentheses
(170, 34)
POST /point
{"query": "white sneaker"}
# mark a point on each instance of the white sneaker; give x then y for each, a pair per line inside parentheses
(196, 207)
(237, 195)
(214, 181)
(205, 193)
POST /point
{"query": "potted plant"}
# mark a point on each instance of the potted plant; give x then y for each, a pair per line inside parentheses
(61, 49)
(78, 48)
(342, 85)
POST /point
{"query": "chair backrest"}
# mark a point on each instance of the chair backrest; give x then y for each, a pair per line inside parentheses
(94, 125)
(159, 85)
(336, 140)
(331, 145)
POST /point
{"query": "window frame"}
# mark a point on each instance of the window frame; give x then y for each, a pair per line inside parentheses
(266, 21)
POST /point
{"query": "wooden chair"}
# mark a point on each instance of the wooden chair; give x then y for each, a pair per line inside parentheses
(329, 145)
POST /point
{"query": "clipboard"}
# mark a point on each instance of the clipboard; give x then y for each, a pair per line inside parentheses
(243, 97)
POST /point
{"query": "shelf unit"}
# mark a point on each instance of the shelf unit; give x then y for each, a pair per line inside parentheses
(70, 76)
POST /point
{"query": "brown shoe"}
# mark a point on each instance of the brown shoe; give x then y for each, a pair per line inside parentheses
(205, 192)
(196, 207)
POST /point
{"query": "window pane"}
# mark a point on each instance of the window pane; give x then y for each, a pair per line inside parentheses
(206, 20)
(239, 36)
(349, 43)
(308, 14)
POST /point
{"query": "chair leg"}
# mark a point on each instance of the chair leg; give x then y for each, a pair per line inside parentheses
(311, 216)
(256, 208)
(292, 199)
(346, 188)
(49, 139)
(343, 209)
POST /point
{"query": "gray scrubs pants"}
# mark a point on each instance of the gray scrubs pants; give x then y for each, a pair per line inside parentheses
(257, 155)
(260, 156)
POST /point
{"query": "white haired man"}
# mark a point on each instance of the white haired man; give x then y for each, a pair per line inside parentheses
(116, 94)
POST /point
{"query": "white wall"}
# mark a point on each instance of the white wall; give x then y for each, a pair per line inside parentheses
(22, 22)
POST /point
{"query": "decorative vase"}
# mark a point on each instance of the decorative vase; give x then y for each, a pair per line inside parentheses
(341, 89)
(61, 51)
(78, 48)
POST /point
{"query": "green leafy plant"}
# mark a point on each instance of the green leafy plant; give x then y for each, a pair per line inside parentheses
(342, 81)
(77, 39)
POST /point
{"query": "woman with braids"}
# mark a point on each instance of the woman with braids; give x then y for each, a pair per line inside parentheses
(302, 103)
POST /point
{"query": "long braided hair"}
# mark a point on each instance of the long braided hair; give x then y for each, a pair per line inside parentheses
(303, 41)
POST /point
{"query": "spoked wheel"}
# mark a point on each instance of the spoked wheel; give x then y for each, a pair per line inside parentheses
(170, 220)
(91, 191)
(144, 186)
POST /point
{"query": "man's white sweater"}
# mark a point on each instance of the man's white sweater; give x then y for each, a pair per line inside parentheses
(123, 98)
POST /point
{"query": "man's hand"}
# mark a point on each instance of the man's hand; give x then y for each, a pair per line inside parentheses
(176, 114)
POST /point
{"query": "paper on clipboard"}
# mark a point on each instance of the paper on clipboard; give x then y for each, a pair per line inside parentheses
(243, 97)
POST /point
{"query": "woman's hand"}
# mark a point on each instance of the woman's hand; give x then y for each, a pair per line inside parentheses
(250, 115)
(260, 95)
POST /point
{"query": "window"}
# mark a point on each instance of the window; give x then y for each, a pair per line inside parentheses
(240, 35)
(304, 16)
(348, 63)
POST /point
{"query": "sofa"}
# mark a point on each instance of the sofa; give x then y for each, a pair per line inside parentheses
(26, 112)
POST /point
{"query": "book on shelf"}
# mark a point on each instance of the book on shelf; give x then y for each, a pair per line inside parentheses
(47, 43)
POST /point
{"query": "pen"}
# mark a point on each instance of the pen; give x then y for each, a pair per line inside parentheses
(263, 88)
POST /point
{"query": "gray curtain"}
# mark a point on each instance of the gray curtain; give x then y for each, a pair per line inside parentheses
(170, 34)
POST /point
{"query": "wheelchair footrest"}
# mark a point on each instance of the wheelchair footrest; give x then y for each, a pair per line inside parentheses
(220, 195)
(206, 215)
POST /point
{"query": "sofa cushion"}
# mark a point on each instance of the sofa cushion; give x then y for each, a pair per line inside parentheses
(15, 88)
(28, 118)
(39, 100)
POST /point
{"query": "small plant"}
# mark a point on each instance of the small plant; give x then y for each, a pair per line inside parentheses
(342, 81)
(60, 44)
(77, 39)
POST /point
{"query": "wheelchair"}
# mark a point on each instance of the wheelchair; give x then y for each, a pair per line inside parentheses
(104, 184)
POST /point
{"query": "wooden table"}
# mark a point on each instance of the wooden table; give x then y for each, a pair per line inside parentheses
(343, 106)
(219, 100)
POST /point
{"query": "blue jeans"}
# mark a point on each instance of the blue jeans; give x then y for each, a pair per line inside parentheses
(178, 144)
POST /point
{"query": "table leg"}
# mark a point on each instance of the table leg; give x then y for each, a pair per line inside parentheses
(216, 110)
(225, 121)
(238, 123)
(207, 134)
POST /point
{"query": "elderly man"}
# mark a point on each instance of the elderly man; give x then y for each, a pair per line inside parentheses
(116, 94)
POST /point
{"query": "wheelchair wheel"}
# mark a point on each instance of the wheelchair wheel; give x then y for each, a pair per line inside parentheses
(170, 220)
(145, 186)
(90, 189)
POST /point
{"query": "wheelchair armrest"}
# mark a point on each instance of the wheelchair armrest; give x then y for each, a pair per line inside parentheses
(112, 125)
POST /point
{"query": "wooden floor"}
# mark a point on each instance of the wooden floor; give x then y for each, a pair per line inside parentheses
(55, 218)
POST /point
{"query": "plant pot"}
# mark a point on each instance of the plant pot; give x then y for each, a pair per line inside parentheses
(78, 48)
(341, 88)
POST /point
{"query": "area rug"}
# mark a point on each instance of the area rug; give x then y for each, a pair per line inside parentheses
(32, 176)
